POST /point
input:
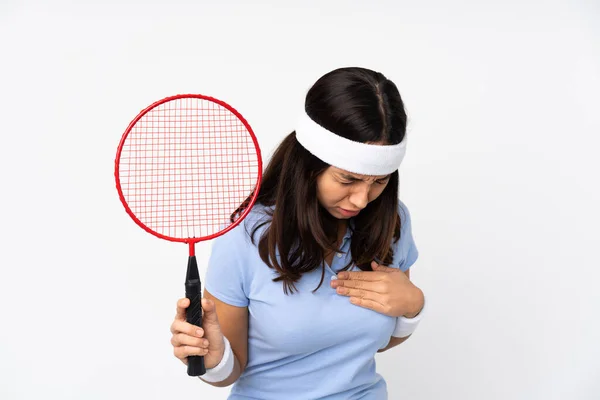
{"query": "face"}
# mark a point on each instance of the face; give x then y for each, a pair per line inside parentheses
(345, 194)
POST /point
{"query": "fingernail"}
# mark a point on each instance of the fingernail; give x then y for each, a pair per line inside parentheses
(199, 332)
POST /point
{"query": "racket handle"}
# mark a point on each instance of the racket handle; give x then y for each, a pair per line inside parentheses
(193, 290)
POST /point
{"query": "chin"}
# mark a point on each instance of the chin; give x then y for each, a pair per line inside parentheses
(341, 217)
(335, 213)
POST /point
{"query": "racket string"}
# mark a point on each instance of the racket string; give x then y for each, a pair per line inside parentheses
(186, 166)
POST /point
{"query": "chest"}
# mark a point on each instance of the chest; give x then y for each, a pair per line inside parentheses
(310, 320)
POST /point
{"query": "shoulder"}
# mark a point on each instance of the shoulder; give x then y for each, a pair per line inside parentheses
(253, 224)
(405, 249)
(234, 259)
(404, 213)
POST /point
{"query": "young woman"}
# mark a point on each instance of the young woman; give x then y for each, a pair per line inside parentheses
(301, 295)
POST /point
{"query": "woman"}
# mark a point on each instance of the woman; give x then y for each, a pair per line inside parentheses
(301, 295)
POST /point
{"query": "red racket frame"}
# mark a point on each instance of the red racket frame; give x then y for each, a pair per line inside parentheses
(190, 241)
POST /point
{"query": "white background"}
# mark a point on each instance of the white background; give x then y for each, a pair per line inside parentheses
(501, 177)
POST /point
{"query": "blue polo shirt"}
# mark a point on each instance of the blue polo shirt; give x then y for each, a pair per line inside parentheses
(304, 345)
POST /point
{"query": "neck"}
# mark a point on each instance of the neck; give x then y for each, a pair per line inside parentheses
(342, 227)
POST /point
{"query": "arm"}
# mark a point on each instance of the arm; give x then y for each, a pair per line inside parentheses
(234, 326)
(395, 341)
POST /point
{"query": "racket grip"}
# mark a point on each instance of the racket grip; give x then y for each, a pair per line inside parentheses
(193, 290)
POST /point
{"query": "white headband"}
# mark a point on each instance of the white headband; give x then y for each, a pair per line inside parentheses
(359, 158)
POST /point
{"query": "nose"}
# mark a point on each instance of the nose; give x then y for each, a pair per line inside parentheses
(360, 197)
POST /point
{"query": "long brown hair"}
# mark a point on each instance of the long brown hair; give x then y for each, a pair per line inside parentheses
(358, 104)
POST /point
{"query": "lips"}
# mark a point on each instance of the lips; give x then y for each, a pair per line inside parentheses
(348, 213)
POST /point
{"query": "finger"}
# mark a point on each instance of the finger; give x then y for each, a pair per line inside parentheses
(360, 293)
(182, 305)
(187, 328)
(186, 351)
(377, 287)
(210, 312)
(381, 268)
(370, 304)
(181, 339)
(361, 275)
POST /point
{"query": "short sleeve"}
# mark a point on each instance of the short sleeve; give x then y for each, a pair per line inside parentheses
(226, 275)
(405, 249)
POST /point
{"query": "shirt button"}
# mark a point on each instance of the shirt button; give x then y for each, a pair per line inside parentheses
(339, 255)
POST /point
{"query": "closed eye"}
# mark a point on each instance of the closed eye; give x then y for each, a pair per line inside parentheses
(378, 182)
(349, 180)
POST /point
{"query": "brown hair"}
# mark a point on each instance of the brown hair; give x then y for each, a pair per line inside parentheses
(358, 104)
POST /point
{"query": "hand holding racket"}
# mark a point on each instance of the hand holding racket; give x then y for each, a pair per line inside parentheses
(184, 166)
(189, 340)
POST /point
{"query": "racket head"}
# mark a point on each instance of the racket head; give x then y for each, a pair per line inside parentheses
(185, 164)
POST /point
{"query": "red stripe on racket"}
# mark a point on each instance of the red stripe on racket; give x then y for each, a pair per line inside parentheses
(184, 166)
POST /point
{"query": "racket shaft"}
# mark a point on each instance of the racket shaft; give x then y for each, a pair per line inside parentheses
(193, 292)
